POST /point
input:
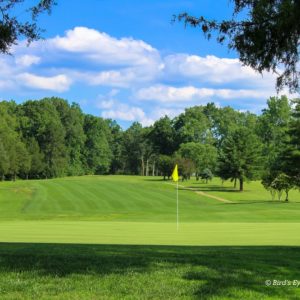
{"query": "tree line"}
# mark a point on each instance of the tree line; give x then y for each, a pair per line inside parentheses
(51, 138)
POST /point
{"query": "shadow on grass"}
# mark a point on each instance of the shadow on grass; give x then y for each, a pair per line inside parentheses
(155, 179)
(272, 202)
(214, 188)
(216, 271)
(232, 190)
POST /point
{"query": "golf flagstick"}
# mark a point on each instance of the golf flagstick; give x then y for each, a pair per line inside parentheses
(177, 209)
(175, 178)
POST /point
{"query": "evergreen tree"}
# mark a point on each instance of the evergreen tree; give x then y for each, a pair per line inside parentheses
(290, 157)
(240, 156)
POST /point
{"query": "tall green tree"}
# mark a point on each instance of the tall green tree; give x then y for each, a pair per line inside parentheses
(97, 152)
(72, 119)
(273, 129)
(290, 157)
(44, 125)
(193, 126)
(240, 156)
(115, 144)
(148, 153)
(13, 147)
(224, 120)
(132, 149)
(162, 136)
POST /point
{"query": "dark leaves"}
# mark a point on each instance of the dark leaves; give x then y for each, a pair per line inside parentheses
(11, 28)
(268, 41)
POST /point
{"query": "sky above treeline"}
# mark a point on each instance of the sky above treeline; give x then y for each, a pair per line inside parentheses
(127, 61)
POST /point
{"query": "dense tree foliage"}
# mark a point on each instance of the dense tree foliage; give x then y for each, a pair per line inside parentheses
(204, 156)
(281, 140)
(240, 156)
(273, 127)
(290, 156)
(51, 138)
(265, 33)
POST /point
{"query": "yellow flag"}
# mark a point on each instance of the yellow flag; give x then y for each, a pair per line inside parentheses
(175, 174)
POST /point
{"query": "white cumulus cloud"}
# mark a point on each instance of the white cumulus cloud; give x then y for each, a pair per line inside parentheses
(101, 47)
(163, 93)
(215, 70)
(93, 61)
(58, 83)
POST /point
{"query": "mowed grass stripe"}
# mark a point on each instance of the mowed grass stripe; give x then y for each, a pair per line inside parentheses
(148, 233)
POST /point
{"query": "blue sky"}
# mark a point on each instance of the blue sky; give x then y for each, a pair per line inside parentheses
(125, 60)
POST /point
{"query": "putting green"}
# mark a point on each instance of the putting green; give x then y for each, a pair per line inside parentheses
(147, 233)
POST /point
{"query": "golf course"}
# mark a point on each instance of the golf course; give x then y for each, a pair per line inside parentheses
(115, 237)
(149, 150)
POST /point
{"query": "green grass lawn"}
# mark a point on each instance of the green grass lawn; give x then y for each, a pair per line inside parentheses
(60, 271)
(112, 237)
(139, 199)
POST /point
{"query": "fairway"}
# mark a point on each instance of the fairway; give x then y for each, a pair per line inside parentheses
(143, 199)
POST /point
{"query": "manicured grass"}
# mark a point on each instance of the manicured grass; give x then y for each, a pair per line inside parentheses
(148, 233)
(130, 198)
(60, 271)
(114, 237)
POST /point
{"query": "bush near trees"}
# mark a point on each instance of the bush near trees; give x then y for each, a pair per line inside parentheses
(203, 156)
(51, 138)
(206, 175)
(279, 184)
(165, 166)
